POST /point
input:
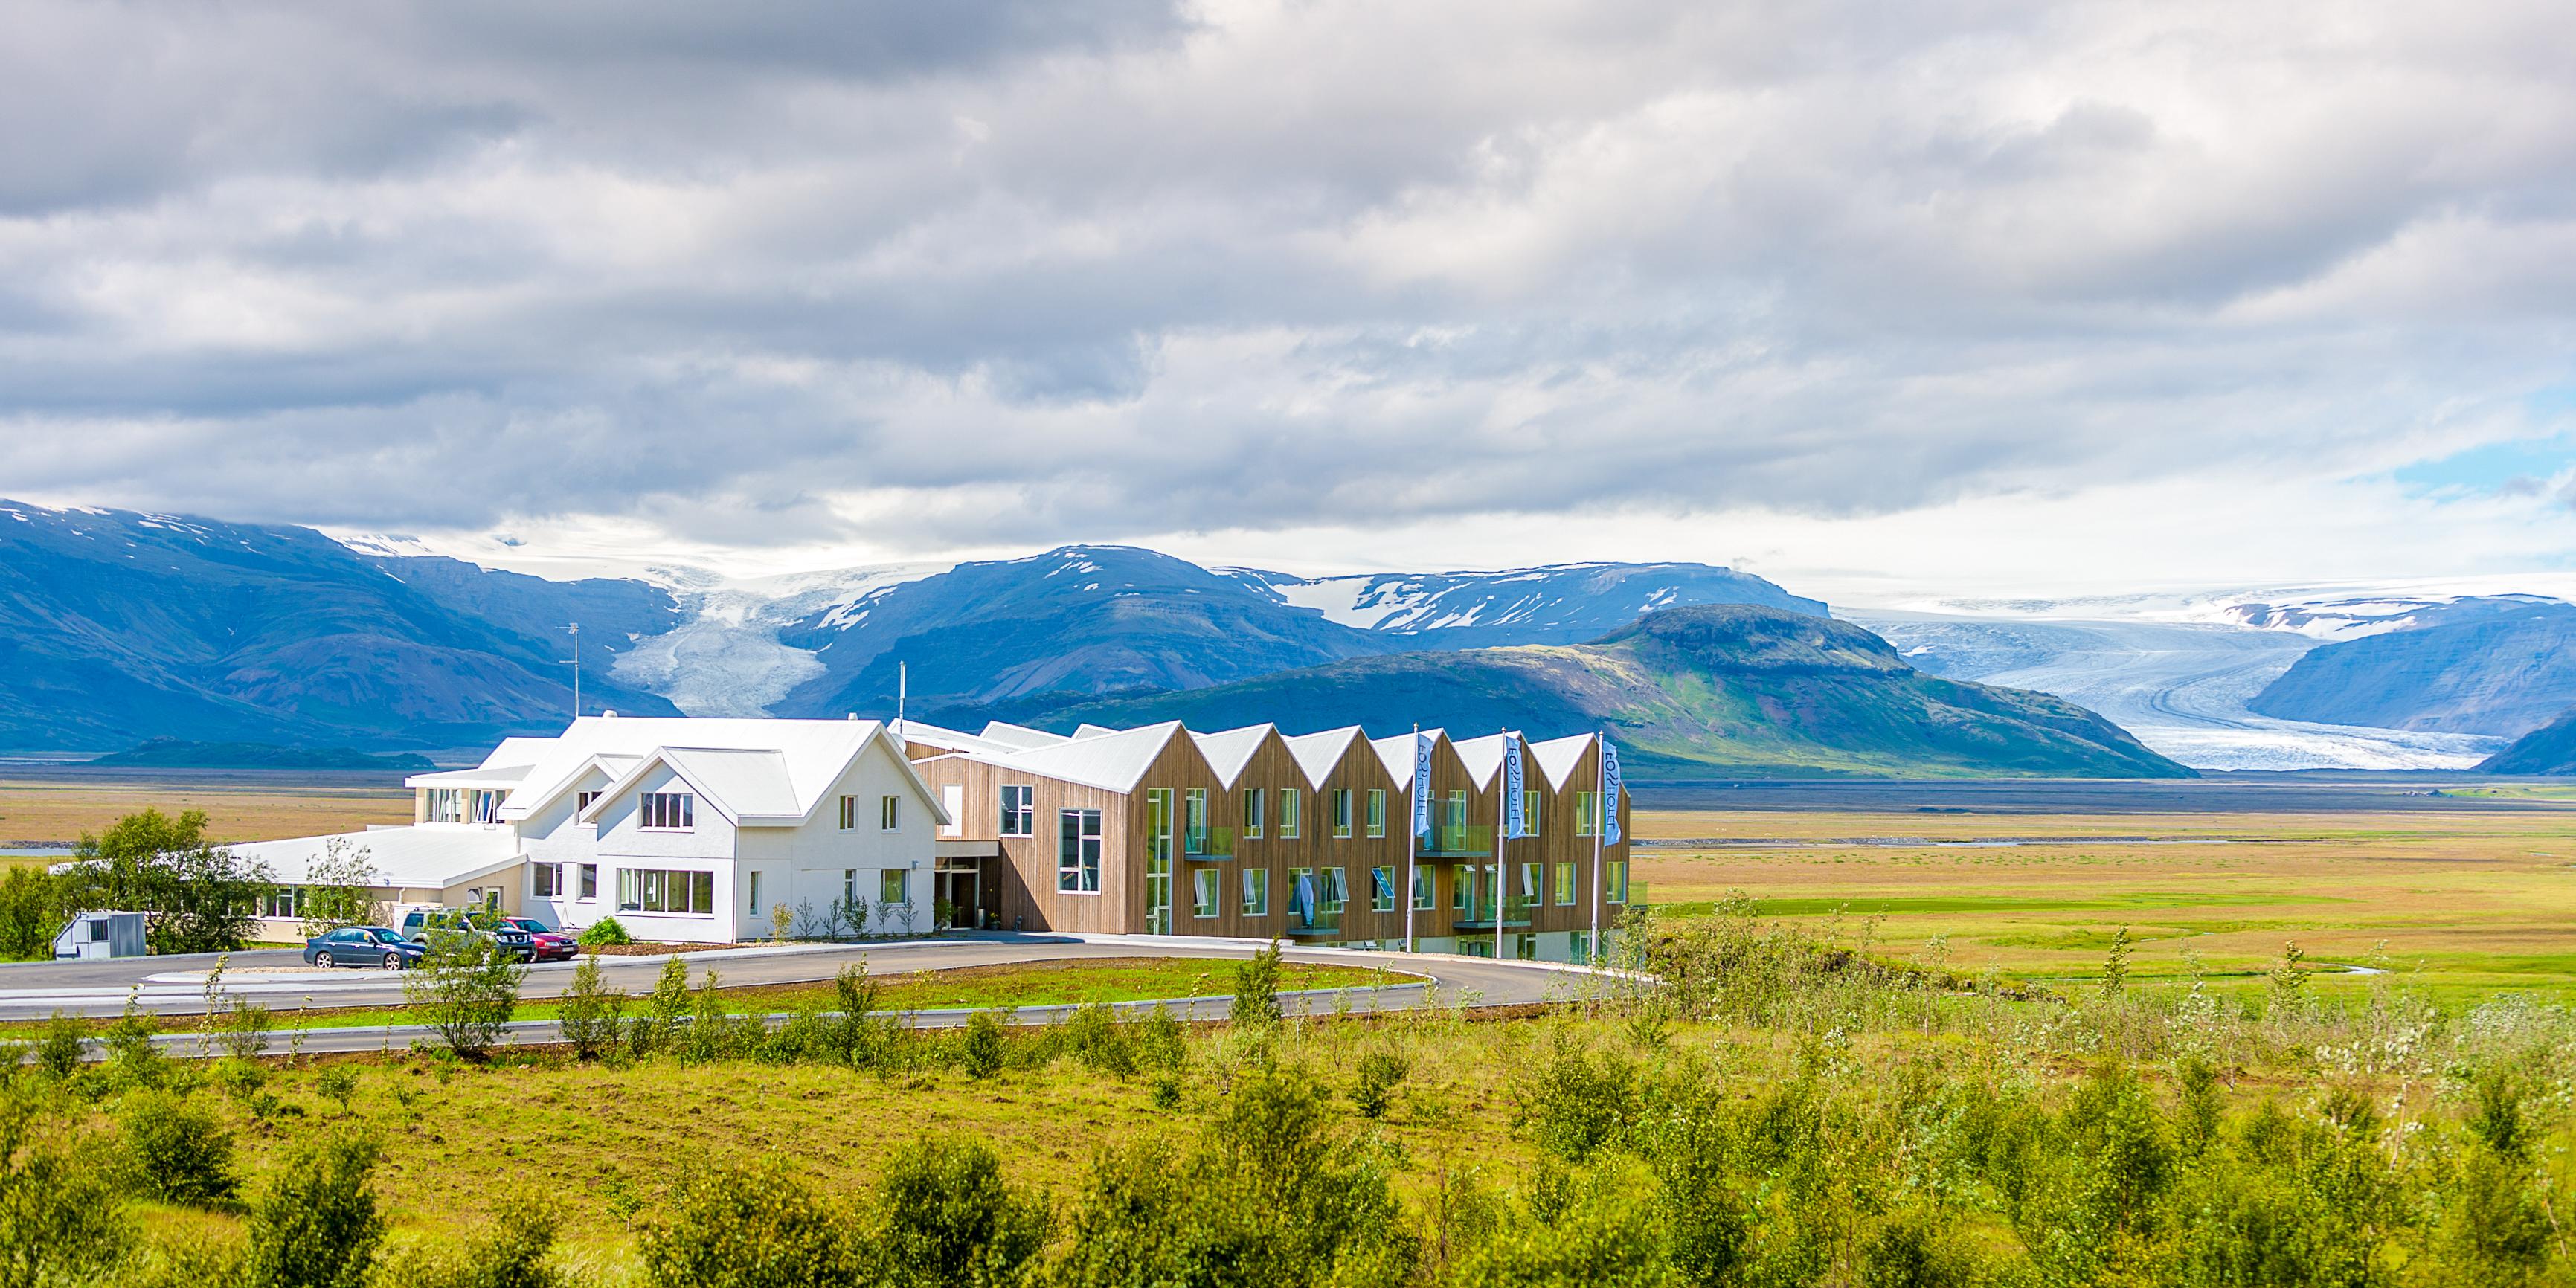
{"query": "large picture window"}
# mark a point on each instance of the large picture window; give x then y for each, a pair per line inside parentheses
(670, 811)
(1077, 851)
(657, 890)
(1019, 809)
(894, 888)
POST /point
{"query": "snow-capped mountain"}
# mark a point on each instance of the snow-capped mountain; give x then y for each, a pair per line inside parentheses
(1556, 604)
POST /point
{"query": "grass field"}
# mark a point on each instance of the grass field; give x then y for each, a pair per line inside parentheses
(239, 807)
(2461, 903)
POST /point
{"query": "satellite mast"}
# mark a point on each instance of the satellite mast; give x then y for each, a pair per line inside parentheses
(575, 630)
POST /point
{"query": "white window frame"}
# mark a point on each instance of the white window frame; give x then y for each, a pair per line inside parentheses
(1256, 892)
(1341, 813)
(1376, 813)
(545, 881)
(1292, 814)
(849, 813)
(889, 813)
(1252, 811)
(1382, 889)
(1020, 819)
(633, 883)
(900, 879)
(667, 806)
(1207, 892)
(1077, 866)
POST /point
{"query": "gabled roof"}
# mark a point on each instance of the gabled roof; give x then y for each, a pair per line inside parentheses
(795, 761)
(1482, 756)
(1091, 730)
(744, 784)
(1112, 760)
(1019, 737)
(1397, 754)
(1229, 750)
(1557, 757)
(1317, 753)
(931, 735)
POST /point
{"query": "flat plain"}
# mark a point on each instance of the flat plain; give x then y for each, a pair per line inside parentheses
(44, 808)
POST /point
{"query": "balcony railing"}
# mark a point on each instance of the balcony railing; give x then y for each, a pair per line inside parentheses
(1473, 842)
(1208, 843)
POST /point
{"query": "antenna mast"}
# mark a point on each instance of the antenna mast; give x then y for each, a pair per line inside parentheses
(575, 630)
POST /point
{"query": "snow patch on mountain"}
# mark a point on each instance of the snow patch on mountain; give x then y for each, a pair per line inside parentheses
(727, 659)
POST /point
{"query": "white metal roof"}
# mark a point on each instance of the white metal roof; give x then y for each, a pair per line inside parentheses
(1317, 753)
(1019, 737)
(1483, 757)
(1557, 757)
(1396, 754)
(426, 855)
(509, 776)
(743, 784)
(1229, 750)
(931, 735)
(1092, 730)
(1113, 760)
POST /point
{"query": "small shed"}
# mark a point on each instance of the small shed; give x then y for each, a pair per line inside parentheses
(101, 934)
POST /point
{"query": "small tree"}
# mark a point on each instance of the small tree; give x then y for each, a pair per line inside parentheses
(340, 889)
(945, 1216)
(467, 989)
(664, 1012)
(2115, 966)
(592, 1011)
(317, 1222)
(197, 897)
(748, 1228)
(30, 913)
(1256, 990)
(177, 1149)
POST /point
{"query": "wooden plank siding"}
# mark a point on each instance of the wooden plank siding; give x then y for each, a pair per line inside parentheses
(1019, 888)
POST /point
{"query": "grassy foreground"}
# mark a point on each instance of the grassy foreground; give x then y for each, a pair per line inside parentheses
(1780, 1112)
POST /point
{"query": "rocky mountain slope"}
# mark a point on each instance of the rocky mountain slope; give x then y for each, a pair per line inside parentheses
(1557, 604)
(2549, 749)
(116, 627)
(1693, 692)
(2501, 666)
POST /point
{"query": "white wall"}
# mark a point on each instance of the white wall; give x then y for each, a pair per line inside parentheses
(551, 836)
(806, 864)
(708, 846)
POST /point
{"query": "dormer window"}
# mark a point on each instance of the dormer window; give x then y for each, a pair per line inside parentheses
(581, 801)
(669, 811)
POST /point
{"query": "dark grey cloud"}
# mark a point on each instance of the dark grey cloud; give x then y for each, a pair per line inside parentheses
(1001, 272)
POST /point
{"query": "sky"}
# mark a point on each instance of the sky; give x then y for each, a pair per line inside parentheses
(1878, 300)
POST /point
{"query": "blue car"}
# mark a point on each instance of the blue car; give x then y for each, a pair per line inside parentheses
(363, 946)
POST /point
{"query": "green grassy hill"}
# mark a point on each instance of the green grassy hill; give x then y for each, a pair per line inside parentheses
(1732, 689)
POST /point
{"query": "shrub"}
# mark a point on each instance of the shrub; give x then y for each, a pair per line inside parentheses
(510, 1253)
(1096, 1039)
(1579, 1100)
(1160, 1043)
(1598, 1237)
(338, 1084)
(592, 1012)
(197, 896)
(945, 1216)
(748, 1228)
(29, 913)
(664, 1012)
(62, 1219)
(1374, 1082)
(979, 1050)
(59, 1051)
(466, 989)
(177, 1150)
(133, 1058)
(317, 1221)
(1256, 990)
(605, 933)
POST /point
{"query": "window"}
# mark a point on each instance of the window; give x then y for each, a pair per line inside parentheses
(284, 901)
(1334, 895)
(581, 801)
(1252, 797)
(1077, 851)
(589, 880)
(1256, 892)
(1019, 809)
(442, 805)
(1457, 811)
(1290, 808)
(850, 890)
(1381, 889)
(1423, 899)
(753, 885)
(1377, 812)
(1564, 883)
(670, 811)
(894, 886)
(1460, 888)
(1525, 947)
(1582, 943)
(651, 890)
(1587, 813)
(1194, 821)
(1617, 873)
(1341, 812)
(849, 813)
(1203, 891)
(545, 880)
(889, 813)
(1531, 890)
(1529, 810)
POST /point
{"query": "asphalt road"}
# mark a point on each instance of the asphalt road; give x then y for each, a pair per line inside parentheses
(176, 985)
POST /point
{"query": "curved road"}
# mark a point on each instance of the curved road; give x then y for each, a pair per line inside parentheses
(277, 980)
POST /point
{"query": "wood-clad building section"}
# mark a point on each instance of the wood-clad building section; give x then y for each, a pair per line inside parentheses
(1246, 833)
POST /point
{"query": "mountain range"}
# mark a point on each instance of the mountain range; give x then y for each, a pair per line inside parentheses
(1688, 691)
(2501, 665)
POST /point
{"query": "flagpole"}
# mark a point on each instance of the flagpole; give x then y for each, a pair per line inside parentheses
(1502, 825)
(1412, 838)
(1600, 884)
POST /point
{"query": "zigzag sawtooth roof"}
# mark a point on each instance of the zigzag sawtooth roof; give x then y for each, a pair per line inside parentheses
(1397, 752)
(1229, 750)
(1483, 757)
(931, 735)
(1317, 753)
(1019, 737)
(1112, 760)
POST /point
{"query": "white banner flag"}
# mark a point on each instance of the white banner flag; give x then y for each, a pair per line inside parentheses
(1421, 785)
(1515, 802)
(1609, 793)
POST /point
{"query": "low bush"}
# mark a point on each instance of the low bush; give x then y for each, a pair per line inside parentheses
(513, 1252)
(59, 1051)
(944, 1216)
(980, 1048)
(757, 1227)
(317, 1222)
(605, 933)
(177, 1150)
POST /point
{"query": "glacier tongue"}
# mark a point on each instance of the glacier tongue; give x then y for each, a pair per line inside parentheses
(727, 659)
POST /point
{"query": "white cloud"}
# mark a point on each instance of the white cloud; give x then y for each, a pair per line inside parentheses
(1964, 290)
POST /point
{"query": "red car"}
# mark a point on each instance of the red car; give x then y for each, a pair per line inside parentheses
(552, 945)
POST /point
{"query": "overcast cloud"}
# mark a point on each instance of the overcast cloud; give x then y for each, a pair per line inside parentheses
(1290, 282)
